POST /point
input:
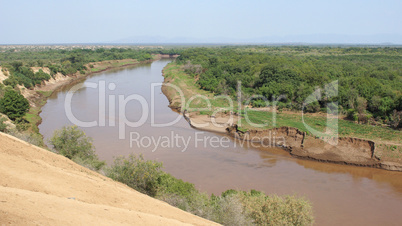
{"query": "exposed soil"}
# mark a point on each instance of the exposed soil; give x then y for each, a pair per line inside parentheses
(3, 75)
(41, 187)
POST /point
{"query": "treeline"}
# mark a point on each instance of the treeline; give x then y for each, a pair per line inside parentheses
(40, 57)
(64, 61)
(370, 79)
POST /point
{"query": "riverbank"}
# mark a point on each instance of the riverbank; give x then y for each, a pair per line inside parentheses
(358, 151)
(38, 96)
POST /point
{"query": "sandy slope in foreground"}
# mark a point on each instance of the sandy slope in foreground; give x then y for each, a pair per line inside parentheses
(40, 187)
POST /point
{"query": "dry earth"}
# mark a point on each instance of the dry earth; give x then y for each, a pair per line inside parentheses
(3, 76)
(41, 187)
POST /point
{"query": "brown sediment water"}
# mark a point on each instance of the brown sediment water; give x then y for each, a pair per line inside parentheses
(340, 194)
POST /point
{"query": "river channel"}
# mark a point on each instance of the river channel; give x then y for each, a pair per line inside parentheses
(340, 194)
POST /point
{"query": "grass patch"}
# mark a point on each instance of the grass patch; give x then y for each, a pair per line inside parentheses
(98, 69)
(389, 152)
(32, 116)
(191, 89)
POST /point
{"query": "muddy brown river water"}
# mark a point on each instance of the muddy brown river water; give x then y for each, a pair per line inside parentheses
(341, 195)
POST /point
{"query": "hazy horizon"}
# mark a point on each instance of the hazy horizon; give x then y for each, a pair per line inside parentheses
(178, 21)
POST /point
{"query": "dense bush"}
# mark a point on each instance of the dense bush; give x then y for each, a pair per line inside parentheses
(13, 104)
(25, 76)
(231, 208)
(274, 210)
(72, 143)
(137, 173)
(368, 78)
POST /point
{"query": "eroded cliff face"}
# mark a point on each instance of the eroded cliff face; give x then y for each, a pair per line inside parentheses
(345, 150)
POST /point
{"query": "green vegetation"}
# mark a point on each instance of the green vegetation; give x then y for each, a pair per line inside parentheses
(231, 208)
(32, 117)
(3, 126)
(76, 55)
(136, 173)
(60, 61)
(14, 105)
(369, 79)
(72, 143)
(273, 210)
(319, 122)
(176, 75)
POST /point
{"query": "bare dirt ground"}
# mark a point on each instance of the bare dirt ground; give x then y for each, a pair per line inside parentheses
(217, 124)
(3, 76)
(40, 187)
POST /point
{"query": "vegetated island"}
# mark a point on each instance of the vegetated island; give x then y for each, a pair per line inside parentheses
(368, 93)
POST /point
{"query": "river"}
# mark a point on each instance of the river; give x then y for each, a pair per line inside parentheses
(340, 194)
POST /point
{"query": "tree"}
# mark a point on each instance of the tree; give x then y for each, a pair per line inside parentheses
(71, 142)
(361, 105)
(14, 105)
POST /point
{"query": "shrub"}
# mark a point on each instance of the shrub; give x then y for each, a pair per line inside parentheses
(275, 210)
(13, 104)
(32, 138)
(352, 114)
(259, 103)
(72, 143)
(40, 76)
(396, 119)
(22, 124)
(3, 126)
(137, 173)
(170, 185)
(229, 210)
(312, 107)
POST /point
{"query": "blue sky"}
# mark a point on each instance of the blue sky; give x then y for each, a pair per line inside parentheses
(52, 21)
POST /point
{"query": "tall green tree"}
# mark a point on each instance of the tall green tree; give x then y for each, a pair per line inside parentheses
(14, 105)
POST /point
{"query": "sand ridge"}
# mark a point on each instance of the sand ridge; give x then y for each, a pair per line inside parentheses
(41, 187)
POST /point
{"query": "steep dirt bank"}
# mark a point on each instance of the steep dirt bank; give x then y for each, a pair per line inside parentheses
(40, 187)
(3, 74)
(61, 80)
(348, 150)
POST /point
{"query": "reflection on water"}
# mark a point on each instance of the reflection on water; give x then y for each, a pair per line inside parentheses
(340, 194)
